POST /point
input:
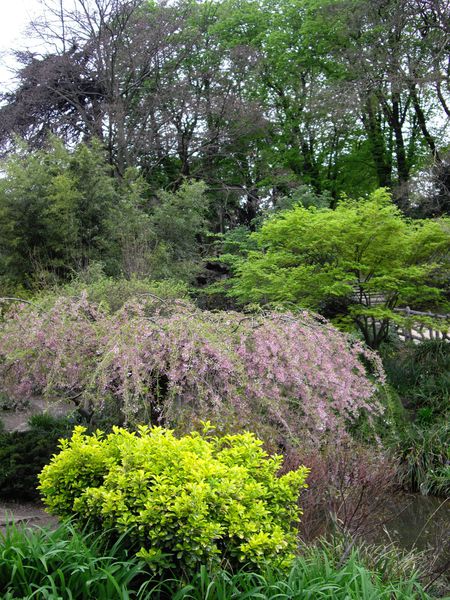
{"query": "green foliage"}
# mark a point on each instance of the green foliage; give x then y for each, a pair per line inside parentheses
(421, 376)
(73, 565)
(257, 98)
(111, 294)
(424, 456)
(315, 137)
(161, 239)
(179, 220)
(184, 501)
(64, 564)
(61, 210)
(305, 196)
(23, 454)
(364, 253)
(54, 209)
(316, 574)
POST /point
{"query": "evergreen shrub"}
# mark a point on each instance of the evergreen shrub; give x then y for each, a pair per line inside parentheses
(182, 502)
(23, 454)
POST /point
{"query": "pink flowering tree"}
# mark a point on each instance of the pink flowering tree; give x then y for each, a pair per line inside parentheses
(285, 376)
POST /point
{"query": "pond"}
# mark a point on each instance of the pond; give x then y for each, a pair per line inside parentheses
(416, 521)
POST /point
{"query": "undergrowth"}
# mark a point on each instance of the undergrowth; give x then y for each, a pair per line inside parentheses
(23, 454)
(70, 565)
(424, 459)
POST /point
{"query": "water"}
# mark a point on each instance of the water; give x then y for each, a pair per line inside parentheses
(415, 521)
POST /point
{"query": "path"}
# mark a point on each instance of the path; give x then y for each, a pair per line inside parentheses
(25, 514)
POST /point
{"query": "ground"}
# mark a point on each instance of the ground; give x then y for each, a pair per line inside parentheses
(17, 420)
(27, 513)
(24, 514)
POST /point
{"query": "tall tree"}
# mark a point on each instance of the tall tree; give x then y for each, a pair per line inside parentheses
(101, 79)
(255, 97)
(390, 63)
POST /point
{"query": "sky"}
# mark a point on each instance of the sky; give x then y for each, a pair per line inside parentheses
(15, 16)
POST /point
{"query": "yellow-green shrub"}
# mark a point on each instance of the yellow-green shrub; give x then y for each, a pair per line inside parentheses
(185, 501)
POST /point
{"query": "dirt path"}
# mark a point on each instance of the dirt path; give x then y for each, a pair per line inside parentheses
(17, 420)
(25, 514)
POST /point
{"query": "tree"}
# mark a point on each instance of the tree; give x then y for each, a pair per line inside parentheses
(95, 77)
(62, 210)
(55, 207)
(255, 97)
(161, 238)
(365, 255)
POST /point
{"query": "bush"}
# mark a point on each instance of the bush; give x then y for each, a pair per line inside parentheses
(421, 376)
(184, 502)
(112, 294)
(349, 488)
(284, 376)
(23, 454)
(424, 457)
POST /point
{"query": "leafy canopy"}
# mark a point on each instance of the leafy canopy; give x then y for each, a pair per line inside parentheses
(365, 252)
(61, 211)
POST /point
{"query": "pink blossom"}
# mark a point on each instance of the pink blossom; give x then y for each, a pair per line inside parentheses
(295, 374)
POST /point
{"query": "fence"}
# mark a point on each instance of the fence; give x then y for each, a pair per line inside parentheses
(420, 332)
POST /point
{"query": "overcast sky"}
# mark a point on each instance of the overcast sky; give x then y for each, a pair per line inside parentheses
(15, 16)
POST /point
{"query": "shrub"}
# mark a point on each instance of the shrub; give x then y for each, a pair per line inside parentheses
(424, 457)
(421, 375)
(185, 502)
(285, 376)
(23, 454)
(49, 351)
(349, 488)
(112, 294)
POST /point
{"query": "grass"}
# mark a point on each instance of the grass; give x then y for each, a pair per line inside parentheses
(311, 577)
(424, 459)
(63, 564)
(68, 565)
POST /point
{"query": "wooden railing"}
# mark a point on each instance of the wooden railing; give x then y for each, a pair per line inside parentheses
(420, 332)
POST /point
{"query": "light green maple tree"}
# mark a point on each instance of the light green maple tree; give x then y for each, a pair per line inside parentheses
(364, 253)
